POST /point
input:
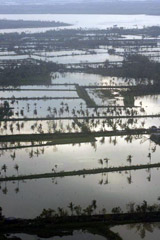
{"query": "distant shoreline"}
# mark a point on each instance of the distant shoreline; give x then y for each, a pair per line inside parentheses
(107, 8)
(18, 24)
(49, 13)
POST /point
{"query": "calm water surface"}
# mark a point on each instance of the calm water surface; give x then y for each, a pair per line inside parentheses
(77, 235)
(146, 231)
(85, 21)
(26, 198)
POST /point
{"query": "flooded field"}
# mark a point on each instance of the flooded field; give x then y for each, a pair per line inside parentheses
(86, 21)
(40, 157)
(79, 128)
(110, 190)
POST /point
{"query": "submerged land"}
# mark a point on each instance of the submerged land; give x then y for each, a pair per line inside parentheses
(79, 107)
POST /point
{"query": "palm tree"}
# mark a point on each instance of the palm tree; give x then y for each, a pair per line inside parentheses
(129, 159)
(131, 207)
(100, 161)
(61, 212)
(106, 160)
(149, 156)
(78, 210)
(88, 210)
(104, 211)
(71, 207)
(16, 167)
(94, 204)
(116, 210)
(13, 156)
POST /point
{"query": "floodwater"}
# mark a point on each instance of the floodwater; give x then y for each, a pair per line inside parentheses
(146, 231)
(77, 235)
(85, 21)
(34, 160)
(88, 58)
(26, 198)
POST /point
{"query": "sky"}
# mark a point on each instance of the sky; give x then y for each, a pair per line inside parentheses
(12, 2)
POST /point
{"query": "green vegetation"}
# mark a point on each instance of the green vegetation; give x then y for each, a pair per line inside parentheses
(79, 172)
(128, 99)
(82, 118)
(141, 69)
(5, 110)
(77, 137)
(28, 73)
(62, 222)
(38, 124)
(9, 24)
(107, 93)
(145, 72)
(82, 93)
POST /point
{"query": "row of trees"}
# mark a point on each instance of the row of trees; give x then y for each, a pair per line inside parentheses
(28, 72)
(77, 210)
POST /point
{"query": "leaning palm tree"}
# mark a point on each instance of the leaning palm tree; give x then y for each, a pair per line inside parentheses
(100, 161)
(94, 204)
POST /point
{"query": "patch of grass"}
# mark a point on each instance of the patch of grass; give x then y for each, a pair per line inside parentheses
(82, 93)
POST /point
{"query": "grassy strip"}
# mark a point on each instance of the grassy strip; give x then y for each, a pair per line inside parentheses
(109, 87)
(53, 143)
(87, 118)
(82, 93)
(37, 89)
(80, 172)
(56, 138)
(115, 107)
(71, 137)
(38, 98)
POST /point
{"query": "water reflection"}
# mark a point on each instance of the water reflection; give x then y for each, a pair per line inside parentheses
(40, 157)
(76, 235)
(18, 198)
(146, 231)
(103, 179)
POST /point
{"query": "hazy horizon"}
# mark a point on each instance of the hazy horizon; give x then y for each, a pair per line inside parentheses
(59, 2)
